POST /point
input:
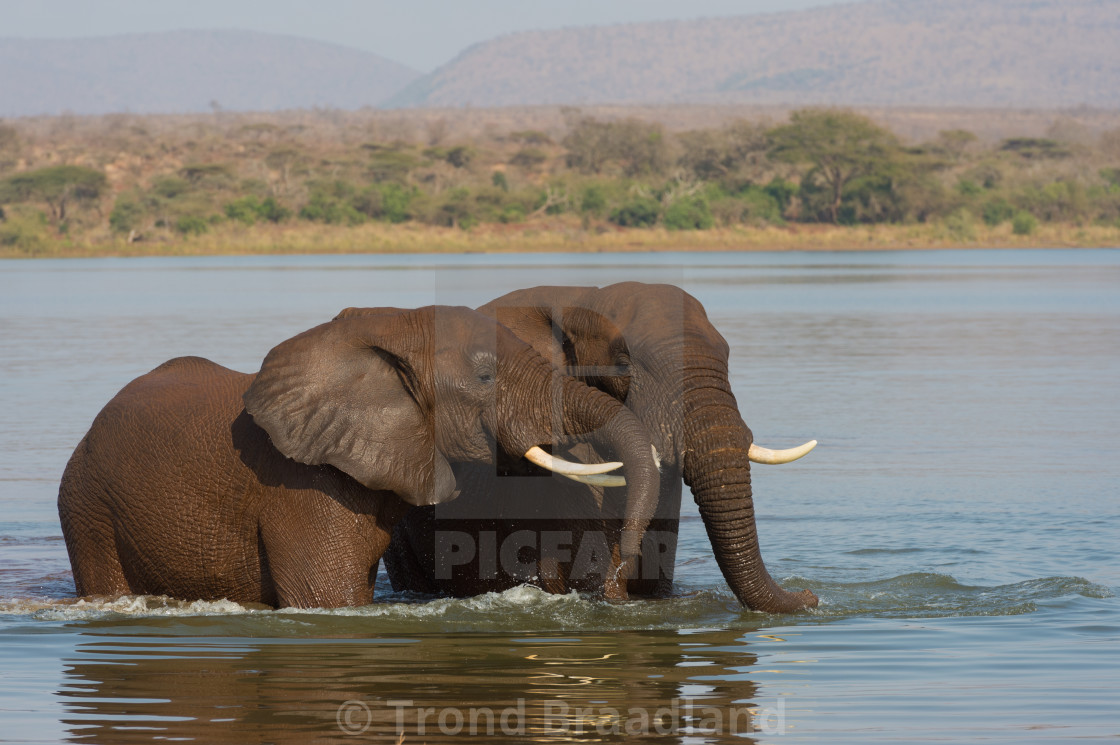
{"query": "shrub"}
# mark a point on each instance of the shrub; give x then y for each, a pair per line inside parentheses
(768, 203)
(26, 232)
(593, 200)
(752, 204)
(1111, 175)
(512, 213)
(209, 175)
(457, 208)
(126, 215)
(528, 158)
(641, 212)
(169, 187)
(332, 203)
(996, 211)
(1057, 200)
(1035, 148)
(531, 137)
(390, 202)
(391, 165)
(1024, 223)
(961, 226)
(460, 156)
(782, 192)
(689, 213)
(191, 225)
(499, 180)
(273, 211)
(244, 210)
(249, 210)
(968, 188)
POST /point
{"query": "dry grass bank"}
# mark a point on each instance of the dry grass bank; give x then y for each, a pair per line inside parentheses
(564, 235)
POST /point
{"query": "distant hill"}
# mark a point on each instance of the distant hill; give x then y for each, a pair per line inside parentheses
(184, 71)
(986, 53)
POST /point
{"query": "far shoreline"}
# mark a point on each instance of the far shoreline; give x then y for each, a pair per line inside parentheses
(567, 236)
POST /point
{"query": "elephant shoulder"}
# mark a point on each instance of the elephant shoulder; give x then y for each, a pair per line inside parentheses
(180, 407)
(190, 367)
(193, 371)
(183, 381)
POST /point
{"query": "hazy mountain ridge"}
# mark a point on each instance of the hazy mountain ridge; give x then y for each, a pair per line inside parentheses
(186, 71)
(1039, 53)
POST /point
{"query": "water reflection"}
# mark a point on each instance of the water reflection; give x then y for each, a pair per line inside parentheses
(694, 686)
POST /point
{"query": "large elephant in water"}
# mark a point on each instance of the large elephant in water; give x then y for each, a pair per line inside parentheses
(282, 487)
(653, 348)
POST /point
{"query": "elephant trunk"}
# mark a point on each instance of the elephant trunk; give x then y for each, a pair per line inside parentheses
(586, 409)
(718, 470)
(555, 406)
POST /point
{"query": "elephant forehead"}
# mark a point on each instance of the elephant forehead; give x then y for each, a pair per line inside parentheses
(460, 328)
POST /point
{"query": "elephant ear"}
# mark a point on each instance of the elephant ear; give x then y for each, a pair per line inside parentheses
(355, 393)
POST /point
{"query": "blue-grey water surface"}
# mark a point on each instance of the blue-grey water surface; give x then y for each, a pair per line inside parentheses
(960, 519)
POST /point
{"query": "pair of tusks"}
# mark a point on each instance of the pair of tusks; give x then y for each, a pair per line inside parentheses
(595, 473)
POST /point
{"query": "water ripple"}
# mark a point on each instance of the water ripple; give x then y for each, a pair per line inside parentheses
(528, 608)
(926, 594)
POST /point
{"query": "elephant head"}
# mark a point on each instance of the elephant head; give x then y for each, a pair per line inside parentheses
(395, 397)
(653, 348)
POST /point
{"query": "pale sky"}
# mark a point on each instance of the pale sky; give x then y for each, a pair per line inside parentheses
(422, 34)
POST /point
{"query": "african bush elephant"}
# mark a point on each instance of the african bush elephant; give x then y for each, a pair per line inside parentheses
(282, 487)
(652, 347)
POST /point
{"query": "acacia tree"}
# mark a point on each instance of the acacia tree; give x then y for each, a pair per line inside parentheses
(738, 149)
(637, 148)
(56, 186)
(840, 146)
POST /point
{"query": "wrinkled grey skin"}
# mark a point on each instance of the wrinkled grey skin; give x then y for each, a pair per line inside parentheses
(653, 348)
(282, 488)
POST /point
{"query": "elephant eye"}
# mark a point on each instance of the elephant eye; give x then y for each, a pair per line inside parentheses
(485, 366)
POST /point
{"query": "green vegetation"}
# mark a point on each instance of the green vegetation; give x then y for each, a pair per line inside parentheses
(822, 167)
(58, 187)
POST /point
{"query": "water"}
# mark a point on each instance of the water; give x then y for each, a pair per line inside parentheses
(960, 519)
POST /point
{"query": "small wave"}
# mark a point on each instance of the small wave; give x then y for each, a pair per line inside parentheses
(13, 540)
(128, 605)
(520, 608)
(926, 594)
(530, 608)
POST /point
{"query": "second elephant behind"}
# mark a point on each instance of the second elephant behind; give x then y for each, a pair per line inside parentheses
(653, 348)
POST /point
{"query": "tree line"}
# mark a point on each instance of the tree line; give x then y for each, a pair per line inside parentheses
(827, 166)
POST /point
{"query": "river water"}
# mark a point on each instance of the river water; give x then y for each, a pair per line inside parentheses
(960, 519)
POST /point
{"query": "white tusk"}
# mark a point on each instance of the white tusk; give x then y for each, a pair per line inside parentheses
(612, 479)
(565, 467)
(774, 457)
(605, 479)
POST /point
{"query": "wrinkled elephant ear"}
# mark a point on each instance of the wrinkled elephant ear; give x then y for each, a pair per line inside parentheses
(355, 393)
